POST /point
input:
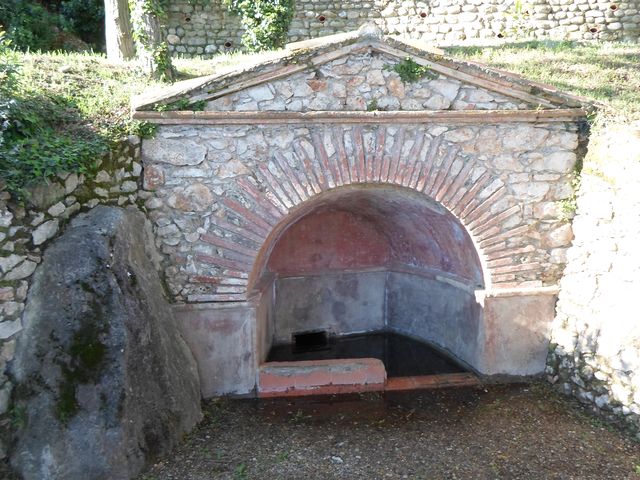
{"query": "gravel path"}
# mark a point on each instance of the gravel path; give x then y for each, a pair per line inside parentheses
(496, 432)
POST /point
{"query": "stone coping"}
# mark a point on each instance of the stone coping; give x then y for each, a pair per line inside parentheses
(357, 117)
(342, 376)
(319, 377)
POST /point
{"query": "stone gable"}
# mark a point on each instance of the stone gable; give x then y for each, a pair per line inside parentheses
(355, 72)
(361, 82)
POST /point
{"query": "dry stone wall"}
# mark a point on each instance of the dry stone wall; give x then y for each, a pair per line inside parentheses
(596, 333)
(26, 231)
(205, 29)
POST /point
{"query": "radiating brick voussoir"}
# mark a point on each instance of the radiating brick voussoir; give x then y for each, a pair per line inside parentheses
(270, 203)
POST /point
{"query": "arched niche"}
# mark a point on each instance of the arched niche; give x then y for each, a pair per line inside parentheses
(370, 258)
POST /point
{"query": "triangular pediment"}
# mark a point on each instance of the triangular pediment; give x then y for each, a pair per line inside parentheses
(356, 72)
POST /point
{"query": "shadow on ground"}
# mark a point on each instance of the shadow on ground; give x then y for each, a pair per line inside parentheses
(517, 431)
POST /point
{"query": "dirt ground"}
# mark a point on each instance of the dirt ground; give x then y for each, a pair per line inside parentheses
(495, 432)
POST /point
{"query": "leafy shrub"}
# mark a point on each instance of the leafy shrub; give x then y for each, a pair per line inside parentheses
(9, 64)
(37, 143)
(9, 69)
(29, 25)
(85, 18)
(53, 24)
(266, 22)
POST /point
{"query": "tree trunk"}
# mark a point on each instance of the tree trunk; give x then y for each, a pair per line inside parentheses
(151, 51)
(118, 30)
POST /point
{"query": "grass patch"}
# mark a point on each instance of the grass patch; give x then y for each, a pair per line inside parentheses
(63, 112)
(90, 92)
(197, 67)
(606, 72)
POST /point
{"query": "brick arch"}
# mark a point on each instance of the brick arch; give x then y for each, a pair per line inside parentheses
(415, 227)
(258, 208)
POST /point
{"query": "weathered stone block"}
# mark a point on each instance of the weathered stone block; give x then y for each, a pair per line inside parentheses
(516, 332)
(194, 198)
(163, 150)
(10, 261)
(221, 339)
(24, 270)
(45, 231)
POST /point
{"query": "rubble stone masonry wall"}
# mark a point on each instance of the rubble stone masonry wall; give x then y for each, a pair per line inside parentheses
(596, 334)
(208, 28)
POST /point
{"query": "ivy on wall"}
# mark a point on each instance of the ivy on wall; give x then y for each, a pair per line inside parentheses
(152, 50)
(266, 22)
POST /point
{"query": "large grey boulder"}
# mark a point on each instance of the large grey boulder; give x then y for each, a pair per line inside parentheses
(106, 382)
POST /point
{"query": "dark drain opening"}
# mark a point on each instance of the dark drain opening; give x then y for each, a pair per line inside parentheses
(310, 341)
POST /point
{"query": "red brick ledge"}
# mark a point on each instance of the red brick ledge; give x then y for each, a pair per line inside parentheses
(428, 382)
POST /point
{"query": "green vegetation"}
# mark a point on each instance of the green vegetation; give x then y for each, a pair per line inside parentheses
(147, 16)
(372, 106)
(282, 456)
(72, 25)
(61, 112)
(182, 104)
(266, 22)
(18, 416)
(410, 71)
(240, 473)
(606, 72)
(520, 17)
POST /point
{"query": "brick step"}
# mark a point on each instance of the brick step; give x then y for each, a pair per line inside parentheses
(321, 377)
(330, 377)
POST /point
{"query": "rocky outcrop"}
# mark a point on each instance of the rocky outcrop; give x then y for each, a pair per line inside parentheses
(27, 228)
(105, 381)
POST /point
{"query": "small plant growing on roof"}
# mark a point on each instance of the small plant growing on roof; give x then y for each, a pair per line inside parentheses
(410, 71)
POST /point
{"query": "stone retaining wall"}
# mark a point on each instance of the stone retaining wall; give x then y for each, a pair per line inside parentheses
(25, 231)
(209, 28)
(596, 333)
